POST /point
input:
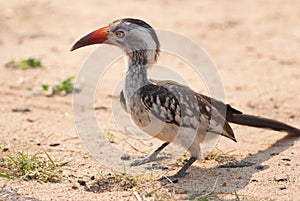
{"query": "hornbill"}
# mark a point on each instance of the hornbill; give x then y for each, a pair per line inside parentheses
(182, 115)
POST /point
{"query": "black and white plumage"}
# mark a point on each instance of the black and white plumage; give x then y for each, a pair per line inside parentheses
(165, 109)
(178, 105)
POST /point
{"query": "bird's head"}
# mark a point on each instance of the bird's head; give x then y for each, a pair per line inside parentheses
(134, 36)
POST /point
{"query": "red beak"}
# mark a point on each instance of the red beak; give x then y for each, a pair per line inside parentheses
(96, 37)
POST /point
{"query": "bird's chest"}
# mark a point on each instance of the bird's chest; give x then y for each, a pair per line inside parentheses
(137, 111)
(150, 124)
(145, 120)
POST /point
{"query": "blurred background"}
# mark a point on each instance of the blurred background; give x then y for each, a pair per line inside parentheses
(255, 45)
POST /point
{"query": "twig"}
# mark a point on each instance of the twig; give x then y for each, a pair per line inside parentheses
(213, 189)
(166, 177)
(133, 147)
(138, 197)
(46, 138)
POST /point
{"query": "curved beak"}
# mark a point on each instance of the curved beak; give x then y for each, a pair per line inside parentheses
(96, 37)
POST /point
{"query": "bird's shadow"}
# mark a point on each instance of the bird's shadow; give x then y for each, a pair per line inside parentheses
(12, 194)
(230, 177)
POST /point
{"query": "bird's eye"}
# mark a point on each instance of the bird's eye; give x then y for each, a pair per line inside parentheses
(120, 34)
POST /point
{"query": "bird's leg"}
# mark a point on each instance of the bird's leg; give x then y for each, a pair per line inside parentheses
(182, 171)
(152, 157)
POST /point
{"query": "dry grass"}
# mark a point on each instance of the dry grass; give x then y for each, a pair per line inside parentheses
(23, 166)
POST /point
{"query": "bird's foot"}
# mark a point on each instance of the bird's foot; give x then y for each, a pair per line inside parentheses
(173, 178)
(148, 159)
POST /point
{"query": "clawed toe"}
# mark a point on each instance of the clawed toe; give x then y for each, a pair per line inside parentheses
(137, 163)
(171, 179)
(146, 160)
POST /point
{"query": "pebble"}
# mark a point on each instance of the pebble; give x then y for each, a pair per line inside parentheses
(286, 159)
(280, 179)
(125, 157)
(54, 144)
(282, 187)
(81, 182)
(5, 149)
(21, 110)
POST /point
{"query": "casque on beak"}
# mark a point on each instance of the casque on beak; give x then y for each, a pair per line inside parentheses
(96, 37)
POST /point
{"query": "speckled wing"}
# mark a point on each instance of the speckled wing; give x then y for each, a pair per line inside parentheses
(161, 102)
(174, 103)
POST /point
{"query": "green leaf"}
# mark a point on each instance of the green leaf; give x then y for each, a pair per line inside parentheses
(5, 176)
(50, 159)
(11, 64)
(63, 164)
(30, 63)
(236, 195)
(24, 64)
(45, 87)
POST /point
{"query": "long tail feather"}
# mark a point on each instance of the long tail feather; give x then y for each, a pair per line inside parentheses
(261, 122)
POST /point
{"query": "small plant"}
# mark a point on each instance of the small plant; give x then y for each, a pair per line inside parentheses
(208, 198)
(118, 181)
(110, 137)
(202, 195)
(24, 64)
(63, 88)
(26, 167)
(66, 86)
(236, 196)
(220, 157)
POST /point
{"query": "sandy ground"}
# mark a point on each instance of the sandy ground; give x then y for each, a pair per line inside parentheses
(254, 44)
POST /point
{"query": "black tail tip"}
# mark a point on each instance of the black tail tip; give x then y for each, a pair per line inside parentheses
(295, 132)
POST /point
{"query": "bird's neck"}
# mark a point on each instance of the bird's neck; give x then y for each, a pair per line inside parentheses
(135, 78)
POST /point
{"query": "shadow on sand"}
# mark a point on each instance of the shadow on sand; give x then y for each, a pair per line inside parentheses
(225, 175)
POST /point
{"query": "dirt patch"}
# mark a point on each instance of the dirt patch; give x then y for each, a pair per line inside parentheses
(254, 45)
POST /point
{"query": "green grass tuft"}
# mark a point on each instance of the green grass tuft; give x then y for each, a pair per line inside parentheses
(62, 88)
(25, 64)
(27, 167)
